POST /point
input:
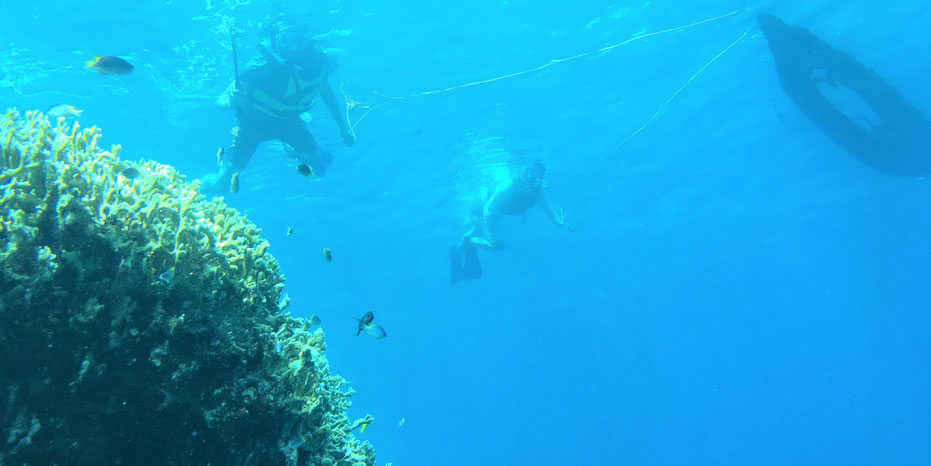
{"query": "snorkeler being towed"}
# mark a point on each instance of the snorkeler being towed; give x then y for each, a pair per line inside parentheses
(269, 99)
(513, 197)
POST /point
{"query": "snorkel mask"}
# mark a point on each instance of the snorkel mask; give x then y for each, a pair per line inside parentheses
(532, 174)
(293, 42)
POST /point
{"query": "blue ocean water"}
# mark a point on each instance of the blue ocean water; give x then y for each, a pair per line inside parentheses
(739, 289)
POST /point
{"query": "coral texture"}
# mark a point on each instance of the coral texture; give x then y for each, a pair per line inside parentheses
(140, 322)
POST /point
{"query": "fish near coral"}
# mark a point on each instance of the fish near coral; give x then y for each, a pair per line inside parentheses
(362, 424)
(375, 331)
(365, 321)
(63, 111)
(167, 276)
(305, 170)
(107, 64)
(131, 173)
(220, 157)
(234, 183)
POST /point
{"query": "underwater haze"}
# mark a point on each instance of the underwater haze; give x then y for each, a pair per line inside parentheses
(738, 289)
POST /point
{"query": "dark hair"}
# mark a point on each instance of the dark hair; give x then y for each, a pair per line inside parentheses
(536, 164)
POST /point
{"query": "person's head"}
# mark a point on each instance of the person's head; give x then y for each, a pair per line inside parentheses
(294, 43)
(532, 173)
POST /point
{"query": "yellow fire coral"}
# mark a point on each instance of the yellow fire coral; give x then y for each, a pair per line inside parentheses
(127, 295)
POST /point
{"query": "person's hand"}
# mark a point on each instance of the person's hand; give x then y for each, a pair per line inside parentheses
(348, 137)
(229, 98)
(223, 101)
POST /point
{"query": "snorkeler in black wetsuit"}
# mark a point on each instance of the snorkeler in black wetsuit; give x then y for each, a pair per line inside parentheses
(513, 197)
(269, 99)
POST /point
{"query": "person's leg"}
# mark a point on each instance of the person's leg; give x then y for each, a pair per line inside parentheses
(480, 237)
(295, 134)
(467, 237)
(246, 138)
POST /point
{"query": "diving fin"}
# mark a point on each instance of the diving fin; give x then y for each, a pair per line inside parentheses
(471, 267)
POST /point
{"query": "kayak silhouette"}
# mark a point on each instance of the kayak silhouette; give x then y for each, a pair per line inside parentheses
(884, 131)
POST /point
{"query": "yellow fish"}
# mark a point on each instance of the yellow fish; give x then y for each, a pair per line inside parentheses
(234, 183)
(220, 157)
(362, 424)
(107, 64)
(63, 111)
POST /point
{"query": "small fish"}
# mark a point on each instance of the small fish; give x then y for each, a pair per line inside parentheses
(107, 64)
(401, 422)
(365, 321)
(327, 255)
(361, 424)
(290, 231)
(305, 170)
(167, 276)
(130, 173)
(375, 331)
(234, 183)
(63, 111)
(220, 157)
(314, 319)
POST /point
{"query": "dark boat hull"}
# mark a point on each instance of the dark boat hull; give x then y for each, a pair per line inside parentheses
(899, 145)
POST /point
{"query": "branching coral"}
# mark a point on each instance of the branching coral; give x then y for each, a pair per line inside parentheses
(139, 321)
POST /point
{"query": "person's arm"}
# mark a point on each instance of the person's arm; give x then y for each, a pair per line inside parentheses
(557, 218)
(233, 95)
(336, 111)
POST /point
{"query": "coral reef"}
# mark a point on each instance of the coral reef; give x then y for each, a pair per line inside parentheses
(140, 322)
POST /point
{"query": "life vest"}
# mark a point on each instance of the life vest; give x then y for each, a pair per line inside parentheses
(281, 91)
